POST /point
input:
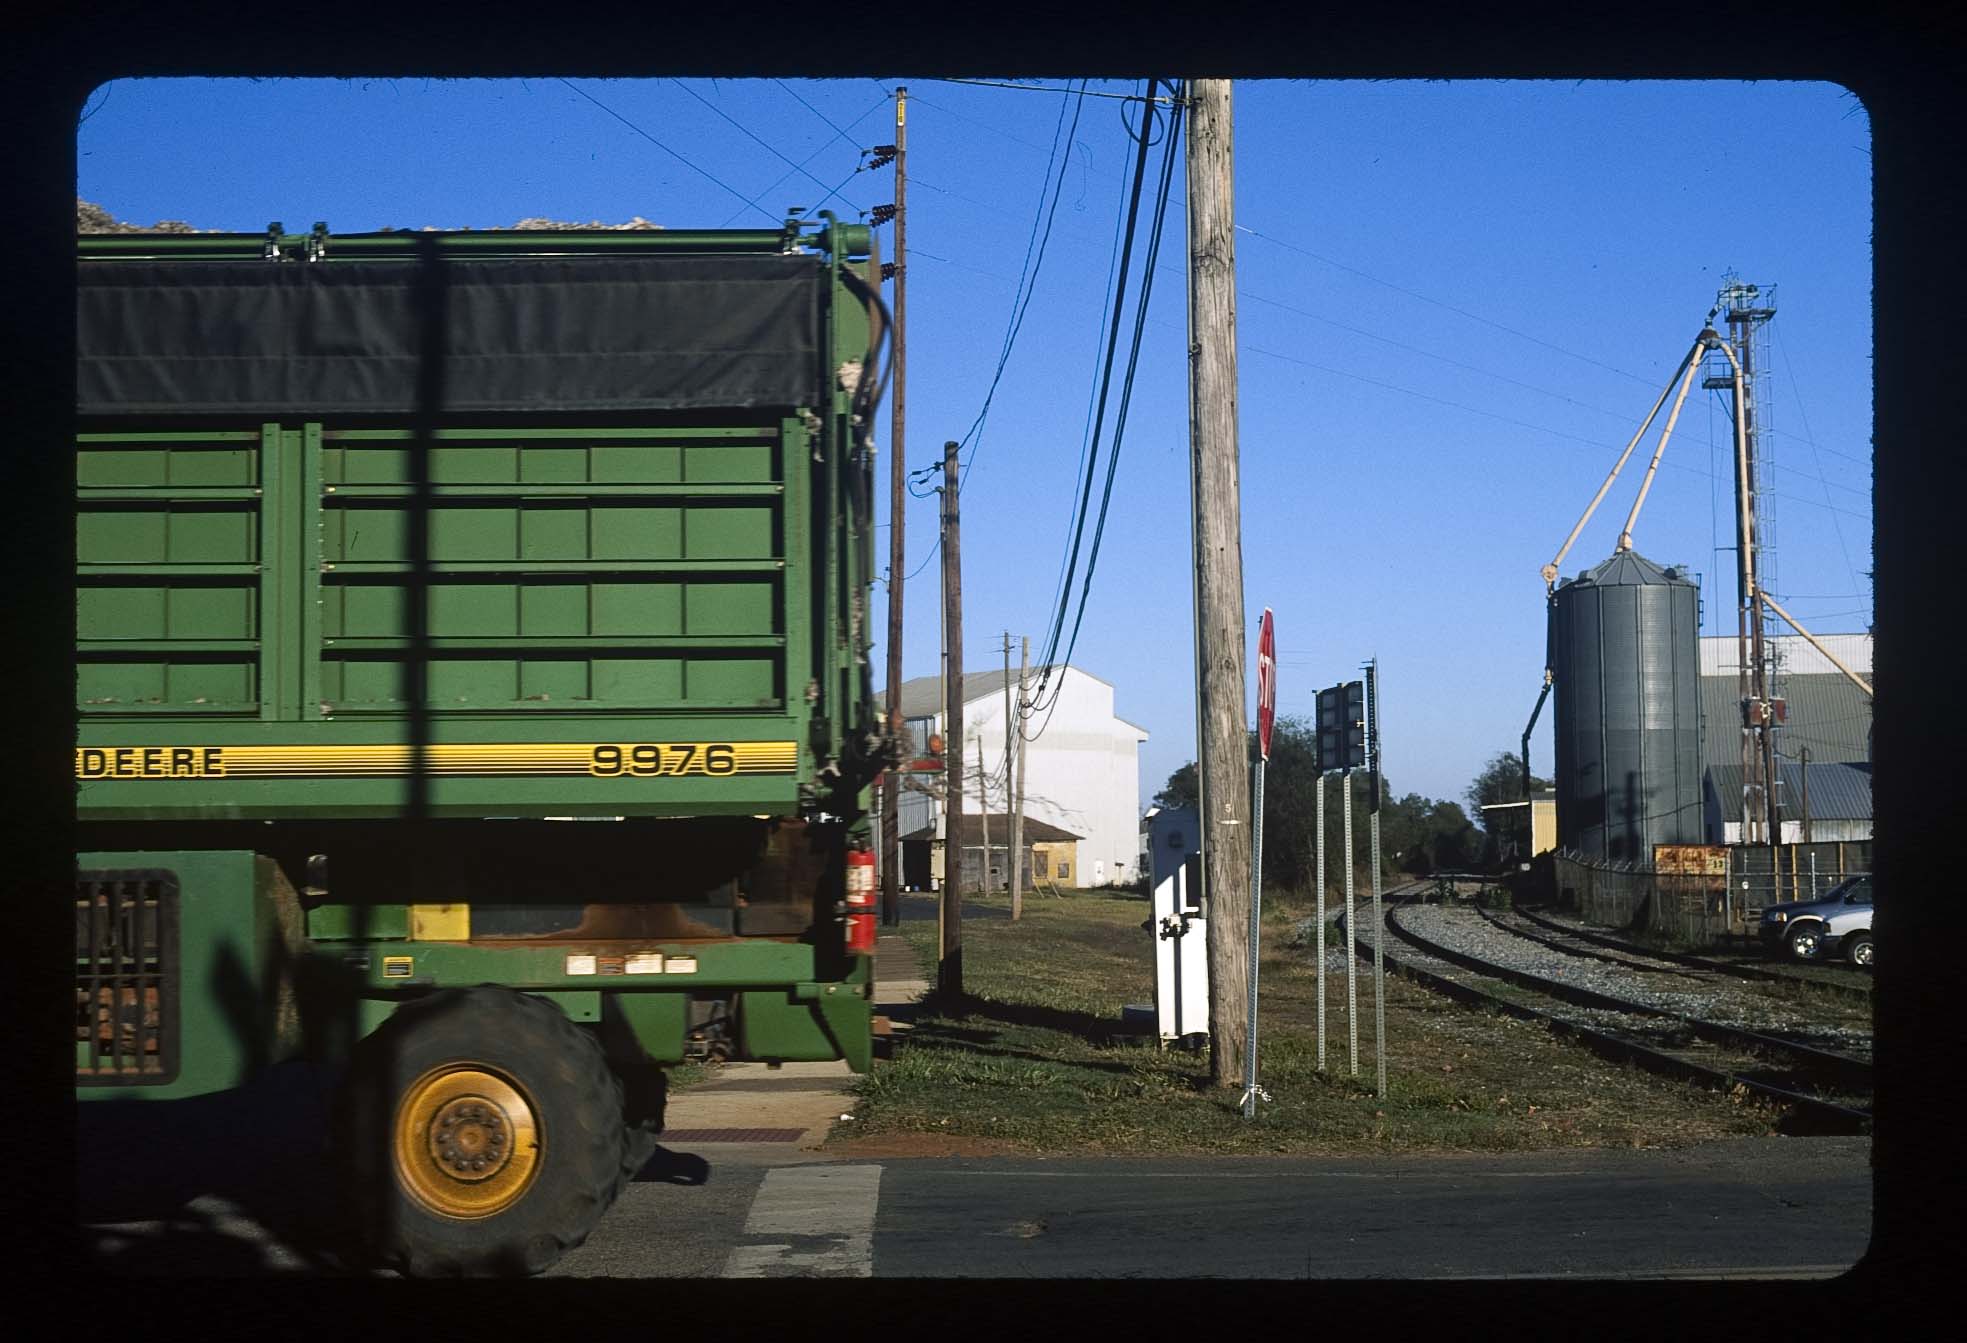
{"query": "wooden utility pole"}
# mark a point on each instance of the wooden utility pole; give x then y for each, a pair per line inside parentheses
(1017, 793)
(1224, 750)
(949, 970)
(891, 820)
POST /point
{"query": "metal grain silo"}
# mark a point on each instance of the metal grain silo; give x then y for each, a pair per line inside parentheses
(1625, 664)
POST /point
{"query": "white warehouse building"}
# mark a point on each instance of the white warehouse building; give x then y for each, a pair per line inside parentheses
(1082, 773)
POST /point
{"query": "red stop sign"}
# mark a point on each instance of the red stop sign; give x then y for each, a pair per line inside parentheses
(1266, 684)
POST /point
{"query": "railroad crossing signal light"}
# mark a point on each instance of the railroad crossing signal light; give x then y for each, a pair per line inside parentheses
(1355, 725)
(1342, 727)
(1331, 735)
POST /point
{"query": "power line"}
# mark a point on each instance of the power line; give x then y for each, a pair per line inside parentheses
(1525, 424)
(1043, 88)
(1261, 298)
(769, 148)
(914, 252)
(1477, 317)
(1782, 348)
(834, 192)
(815, 154)
(1414, 293)
(918, 100)
(1133, 363)
(1060, 591)
(1160, 207)
(839, 132)
(1256, 297)
(660, 145)
(1106, 382)
(1028, 278)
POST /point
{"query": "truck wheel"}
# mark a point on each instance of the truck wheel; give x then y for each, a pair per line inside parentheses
(479, 1133)
(1858, 950)
(1806, 943)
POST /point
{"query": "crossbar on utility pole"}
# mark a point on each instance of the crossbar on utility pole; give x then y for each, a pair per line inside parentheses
(1224, 752)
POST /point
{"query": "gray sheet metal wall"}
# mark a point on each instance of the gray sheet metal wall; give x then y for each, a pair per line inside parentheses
(1625, 660)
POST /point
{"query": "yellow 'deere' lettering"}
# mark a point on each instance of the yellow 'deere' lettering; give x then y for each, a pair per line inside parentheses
(486, 759)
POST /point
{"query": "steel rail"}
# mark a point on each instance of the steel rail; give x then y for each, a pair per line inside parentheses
(1809, 1113)
(1747, 972)
(1838, 1069)
(1625, 962)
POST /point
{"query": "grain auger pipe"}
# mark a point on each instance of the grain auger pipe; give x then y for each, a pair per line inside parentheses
(1686, 367)
(1690, 364)
(1530, 727)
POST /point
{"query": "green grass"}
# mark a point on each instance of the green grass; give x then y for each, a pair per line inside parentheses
(1031, 1059)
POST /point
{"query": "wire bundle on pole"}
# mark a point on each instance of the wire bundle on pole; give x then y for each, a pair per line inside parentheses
(1051, 659)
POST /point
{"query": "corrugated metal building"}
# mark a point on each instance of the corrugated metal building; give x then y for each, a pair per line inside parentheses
(1824, 712)
(1839, 802)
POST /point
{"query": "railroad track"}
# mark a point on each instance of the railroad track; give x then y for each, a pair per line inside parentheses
(1851, 984)
(1821, 1091)
(1767, 1002)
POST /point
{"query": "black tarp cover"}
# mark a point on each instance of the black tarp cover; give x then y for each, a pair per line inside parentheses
(582, 334)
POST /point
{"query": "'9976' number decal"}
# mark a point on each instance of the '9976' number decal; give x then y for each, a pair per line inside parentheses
(651, 758)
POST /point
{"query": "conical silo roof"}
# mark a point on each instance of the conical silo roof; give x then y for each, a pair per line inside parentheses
(1629, 568)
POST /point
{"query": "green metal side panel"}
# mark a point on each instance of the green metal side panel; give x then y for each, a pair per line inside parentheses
(617, 621)
(806, 1022)
(661, 618)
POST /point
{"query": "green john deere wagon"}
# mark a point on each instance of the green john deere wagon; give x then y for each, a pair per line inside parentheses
(471, 667)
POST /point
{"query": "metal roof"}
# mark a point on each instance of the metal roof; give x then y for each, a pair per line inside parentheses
(1629, 568)
(1794, 655)
(1035, 831)
(1839, 792)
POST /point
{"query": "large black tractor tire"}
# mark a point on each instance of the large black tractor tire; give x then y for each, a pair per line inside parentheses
(479, 1133)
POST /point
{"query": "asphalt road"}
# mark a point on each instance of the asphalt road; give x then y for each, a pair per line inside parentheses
(241, 1206)
(1775, 1208)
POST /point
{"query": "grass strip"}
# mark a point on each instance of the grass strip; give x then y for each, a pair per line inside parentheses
(1032, 1059)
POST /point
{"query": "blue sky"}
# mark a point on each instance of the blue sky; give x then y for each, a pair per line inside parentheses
(1458, 301)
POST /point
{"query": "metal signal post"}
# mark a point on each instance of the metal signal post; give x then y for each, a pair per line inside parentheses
(1266, 719)
(1373, 843)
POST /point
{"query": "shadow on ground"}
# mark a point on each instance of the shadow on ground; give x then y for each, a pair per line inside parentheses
(944, 1021)
(667, 1167)
(236, 1183)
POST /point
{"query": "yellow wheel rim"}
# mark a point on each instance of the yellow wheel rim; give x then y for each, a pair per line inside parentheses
(467, 1142)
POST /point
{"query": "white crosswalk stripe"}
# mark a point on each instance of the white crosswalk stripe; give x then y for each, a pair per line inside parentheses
(810, 1222)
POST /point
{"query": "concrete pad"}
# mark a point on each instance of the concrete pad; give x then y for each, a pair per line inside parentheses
(809, 1097)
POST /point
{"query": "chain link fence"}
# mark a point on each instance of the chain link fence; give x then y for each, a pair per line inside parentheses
(1705, 908)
